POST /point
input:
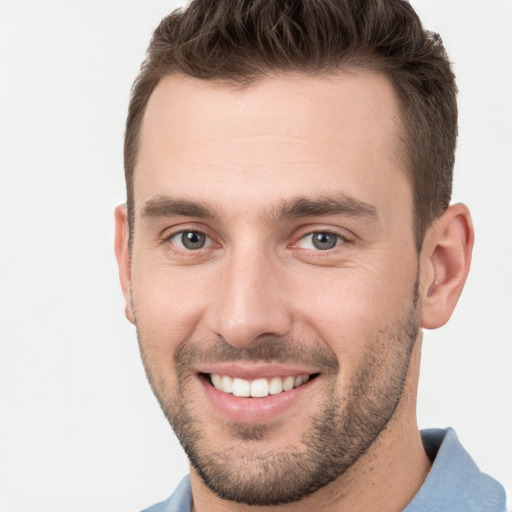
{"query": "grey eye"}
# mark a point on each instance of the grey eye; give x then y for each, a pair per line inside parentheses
(324, 241)
(321, 241)
(190, 240)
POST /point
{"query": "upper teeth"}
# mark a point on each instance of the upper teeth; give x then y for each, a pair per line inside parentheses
(258, 387)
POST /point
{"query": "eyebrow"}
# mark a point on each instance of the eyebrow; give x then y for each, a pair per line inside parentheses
(167, 207)
(340, 204)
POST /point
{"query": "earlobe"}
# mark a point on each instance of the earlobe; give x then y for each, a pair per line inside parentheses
(446, 258)
(123, 257)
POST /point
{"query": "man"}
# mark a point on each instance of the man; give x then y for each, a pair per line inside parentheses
(286, 238)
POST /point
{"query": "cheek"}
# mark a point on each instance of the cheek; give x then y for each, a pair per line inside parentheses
(168, 305)
(348, 308)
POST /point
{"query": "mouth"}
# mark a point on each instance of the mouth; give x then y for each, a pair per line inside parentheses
(257, 388)
(256, 393)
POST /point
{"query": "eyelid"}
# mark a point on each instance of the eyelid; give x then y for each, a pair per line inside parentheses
(341, 239)
(178, 243)
(169, 233)
(304, 231)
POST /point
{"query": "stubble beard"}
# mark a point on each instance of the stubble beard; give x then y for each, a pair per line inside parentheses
(339, 434)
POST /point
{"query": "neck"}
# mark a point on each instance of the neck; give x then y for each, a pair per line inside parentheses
(384, 479)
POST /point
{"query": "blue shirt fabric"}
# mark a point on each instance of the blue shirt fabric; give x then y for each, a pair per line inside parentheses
(454, 484)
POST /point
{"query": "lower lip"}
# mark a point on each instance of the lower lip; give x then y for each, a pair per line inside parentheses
(254, 410)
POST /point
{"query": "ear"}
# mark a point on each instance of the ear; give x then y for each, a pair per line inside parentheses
(123, 257)
(445, 260)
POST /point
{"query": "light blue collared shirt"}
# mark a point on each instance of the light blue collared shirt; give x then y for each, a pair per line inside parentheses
(454, 484)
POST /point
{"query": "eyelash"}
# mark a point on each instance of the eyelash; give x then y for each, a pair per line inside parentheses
(180, 248)
(338, 240)
(208, 240)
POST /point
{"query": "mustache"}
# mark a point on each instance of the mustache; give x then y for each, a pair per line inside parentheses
(266, 349)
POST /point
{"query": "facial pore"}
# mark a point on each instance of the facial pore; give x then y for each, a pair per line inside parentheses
(335, 438)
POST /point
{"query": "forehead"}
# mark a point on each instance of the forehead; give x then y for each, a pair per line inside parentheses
(283, 134)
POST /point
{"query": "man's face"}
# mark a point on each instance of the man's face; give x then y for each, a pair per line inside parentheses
(273, 241)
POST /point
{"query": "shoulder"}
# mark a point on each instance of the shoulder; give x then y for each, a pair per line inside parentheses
(455, 484)
(179, 501)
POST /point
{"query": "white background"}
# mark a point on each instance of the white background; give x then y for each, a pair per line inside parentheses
(79, 428)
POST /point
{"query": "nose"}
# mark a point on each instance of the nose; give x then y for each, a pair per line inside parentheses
(250, 300)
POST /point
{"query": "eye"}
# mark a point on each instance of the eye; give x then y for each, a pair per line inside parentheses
(190, 240)
(320, 240)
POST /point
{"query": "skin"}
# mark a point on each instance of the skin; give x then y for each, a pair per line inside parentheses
(243, 154)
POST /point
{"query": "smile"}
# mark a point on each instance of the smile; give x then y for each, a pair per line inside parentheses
(253, 393)
(257, 388)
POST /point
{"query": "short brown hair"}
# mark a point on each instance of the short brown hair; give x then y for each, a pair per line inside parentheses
(240, 41)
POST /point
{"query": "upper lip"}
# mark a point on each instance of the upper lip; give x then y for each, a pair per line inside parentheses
(252, 371)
